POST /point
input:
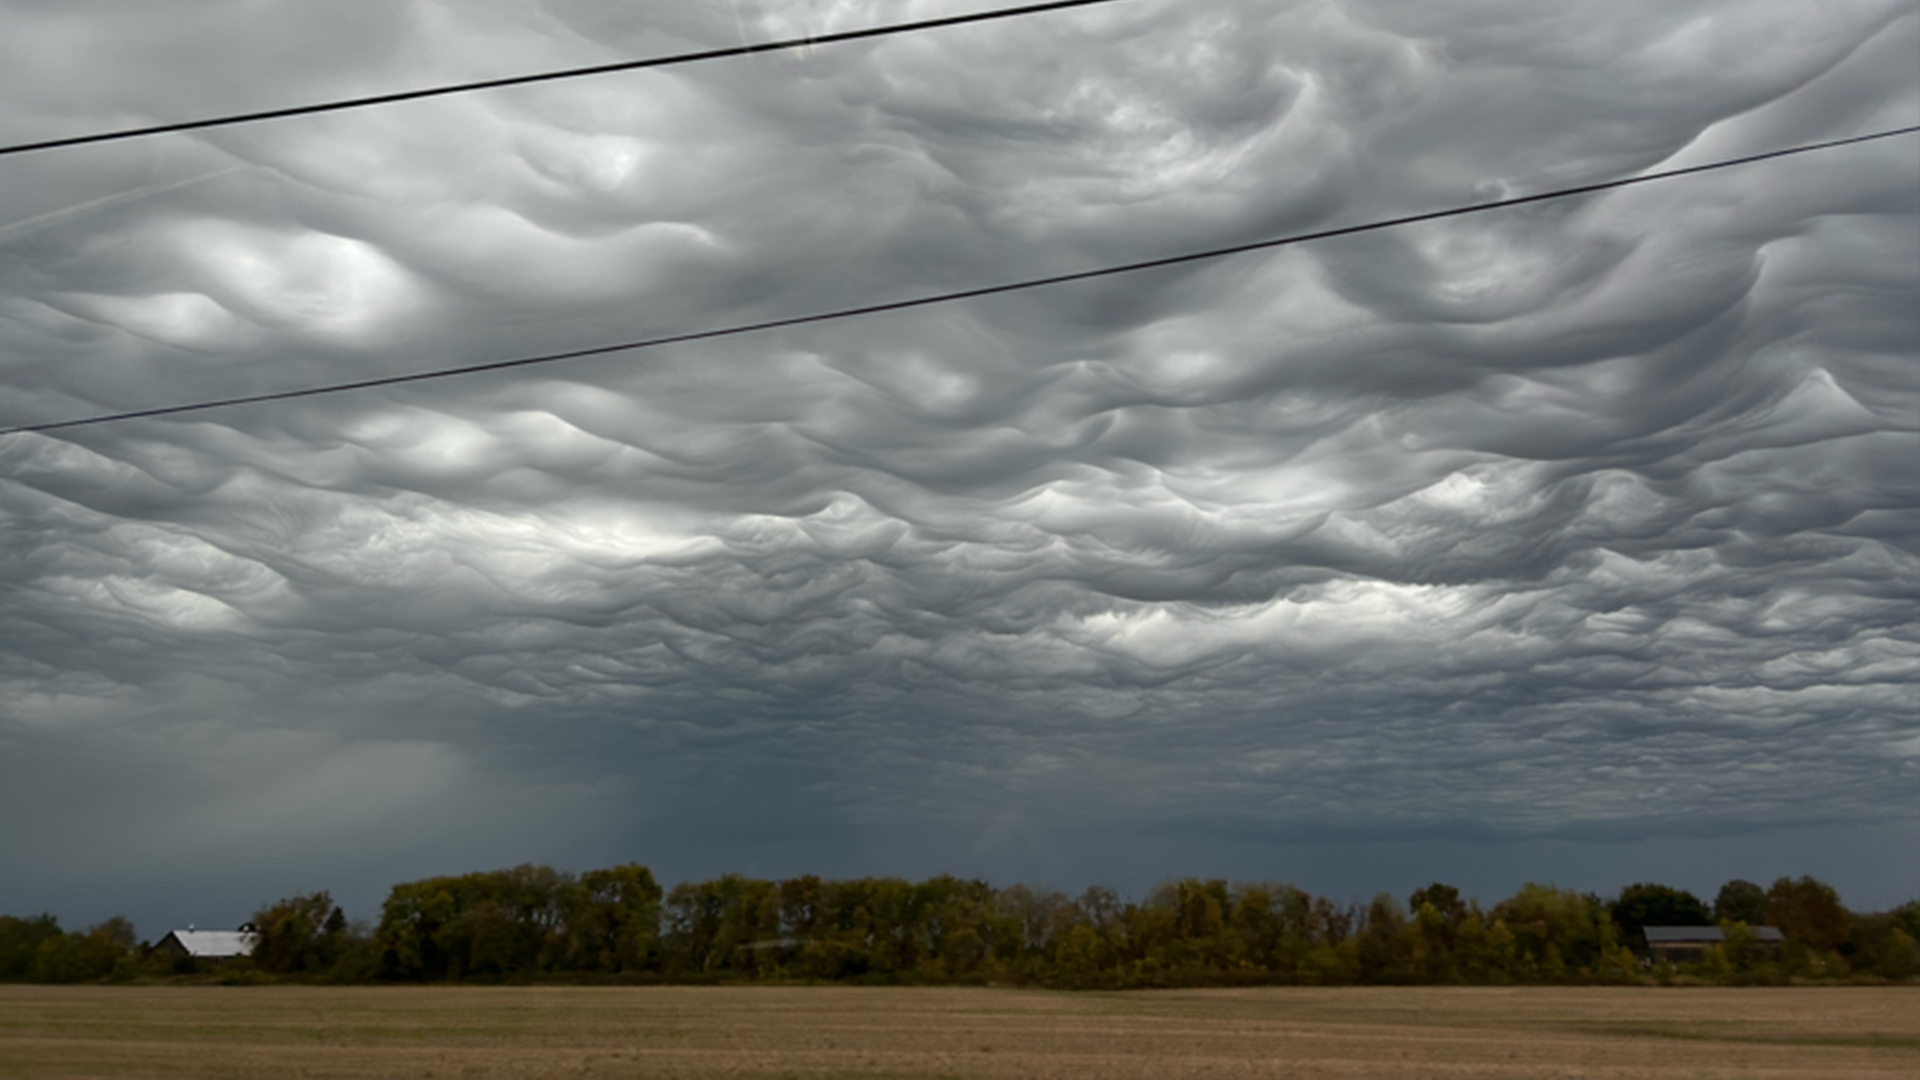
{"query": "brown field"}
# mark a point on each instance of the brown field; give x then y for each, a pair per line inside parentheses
(846, 1031)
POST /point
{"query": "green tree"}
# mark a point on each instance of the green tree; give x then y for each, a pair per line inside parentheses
(1078, 959)
(1899, 957)
(694, 914)
(71, 958)
(1382, 942)
(491, 923)
(1183, 931)
(1430, 940)
(1647, 904)
(1257, 926)
(299, 934)
(1742, 902)
(898, 934)
(832, 925)
(1907, 918)
(1882, 942)
(612, 920)
(1808, 911)
(1445, 901)
(20, 940)
(1332, 963)
(1556, 930)
(1479, 955)
(958, 926)
(1742, 947)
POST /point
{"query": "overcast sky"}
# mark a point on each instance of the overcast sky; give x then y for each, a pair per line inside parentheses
(1576, 542)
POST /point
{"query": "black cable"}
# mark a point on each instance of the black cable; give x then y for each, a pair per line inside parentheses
(967, 294)
(548, 76)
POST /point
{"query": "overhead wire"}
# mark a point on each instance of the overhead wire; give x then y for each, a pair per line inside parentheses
(807, 43)
(953, 297)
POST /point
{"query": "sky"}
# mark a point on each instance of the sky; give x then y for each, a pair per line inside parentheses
(1577, 542)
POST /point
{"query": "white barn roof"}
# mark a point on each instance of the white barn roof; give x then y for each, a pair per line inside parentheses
(214, 944)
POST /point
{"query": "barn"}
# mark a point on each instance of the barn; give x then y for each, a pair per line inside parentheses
(206, 944)
(1681, 943)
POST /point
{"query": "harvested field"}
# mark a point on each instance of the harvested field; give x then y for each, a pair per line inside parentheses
(946, 1032)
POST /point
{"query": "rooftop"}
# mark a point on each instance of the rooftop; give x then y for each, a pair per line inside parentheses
(214, 944)
(1703, 935)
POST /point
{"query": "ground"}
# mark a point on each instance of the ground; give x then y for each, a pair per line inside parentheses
(170, 1031)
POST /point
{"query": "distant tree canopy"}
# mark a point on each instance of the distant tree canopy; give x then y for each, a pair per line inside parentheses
(36, 950)
(1657, 905)
(1809, 912)
(1740, 902)
(535, 922)
(1884, 943)
(1443, 899)
(20, 941)
(298, 934)
(527, 919)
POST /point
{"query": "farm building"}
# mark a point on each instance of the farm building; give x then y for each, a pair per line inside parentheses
(206, 944)
(1679, 943)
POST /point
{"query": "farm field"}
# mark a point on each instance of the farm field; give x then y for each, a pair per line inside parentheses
(955, 1032)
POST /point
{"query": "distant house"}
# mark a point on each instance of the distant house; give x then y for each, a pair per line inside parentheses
(206, 944)
(1680, 943)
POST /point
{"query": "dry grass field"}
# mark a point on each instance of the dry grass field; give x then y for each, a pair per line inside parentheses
(848, 1032)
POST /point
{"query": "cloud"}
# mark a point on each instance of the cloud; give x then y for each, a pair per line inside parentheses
(1590, 519)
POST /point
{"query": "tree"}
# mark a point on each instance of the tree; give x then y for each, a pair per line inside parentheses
(1447, 912)
(1808, 911)
(298, 934)
(713, 926)
(20, 939)
(612, 920)
(1269, 928)
(958, 927)
(1382, 944)
(70, 958)
(1740, 902)
(1899, 956)
(1741, 947)
(1444, 898)
(1556, 929)
(533, 920)
(1907, 918)
(1647, 904)
(492, 923)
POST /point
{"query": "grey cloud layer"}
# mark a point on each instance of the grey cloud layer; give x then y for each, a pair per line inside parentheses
(1588, 519)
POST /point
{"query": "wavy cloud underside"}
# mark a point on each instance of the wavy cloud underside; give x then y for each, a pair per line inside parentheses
(1596, 518)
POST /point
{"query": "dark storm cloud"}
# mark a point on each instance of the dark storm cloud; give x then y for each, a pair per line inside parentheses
(1594, 519)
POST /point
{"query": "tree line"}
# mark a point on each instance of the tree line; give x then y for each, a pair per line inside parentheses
(618, 924)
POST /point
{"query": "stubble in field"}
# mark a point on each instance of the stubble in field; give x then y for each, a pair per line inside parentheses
(947, 1032)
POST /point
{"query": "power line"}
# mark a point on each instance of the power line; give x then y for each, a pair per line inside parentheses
(950, 297)
(548, 76)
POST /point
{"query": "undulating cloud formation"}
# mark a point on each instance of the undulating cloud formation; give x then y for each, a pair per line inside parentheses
(1591, 522)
